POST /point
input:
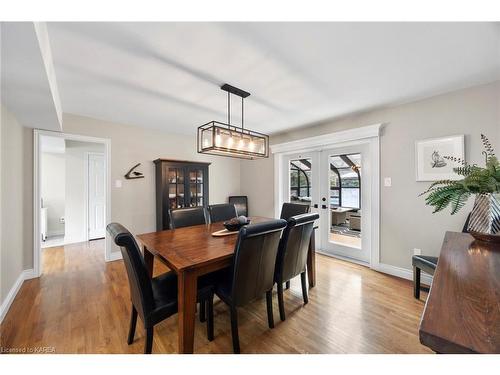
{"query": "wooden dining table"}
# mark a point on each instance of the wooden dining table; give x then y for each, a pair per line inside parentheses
(191, 252)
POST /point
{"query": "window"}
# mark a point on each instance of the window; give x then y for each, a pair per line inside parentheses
(300, 181)
(345, 181)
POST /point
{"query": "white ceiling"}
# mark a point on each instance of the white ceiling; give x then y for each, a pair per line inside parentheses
(167, 75)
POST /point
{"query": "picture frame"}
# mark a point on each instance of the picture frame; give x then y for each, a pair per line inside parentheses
(430, 164)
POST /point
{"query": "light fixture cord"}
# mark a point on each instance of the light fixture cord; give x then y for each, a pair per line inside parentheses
(228, 108)
(242, 114)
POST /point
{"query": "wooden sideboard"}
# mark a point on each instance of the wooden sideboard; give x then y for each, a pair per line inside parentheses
(462, 312)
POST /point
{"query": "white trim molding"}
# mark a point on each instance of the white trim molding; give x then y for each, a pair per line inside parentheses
(403, 273)
(326, 140)
(4, 308)
(37, 133)
(115, 255)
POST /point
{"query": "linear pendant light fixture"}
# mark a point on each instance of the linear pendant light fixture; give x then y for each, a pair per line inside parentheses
(218, 138)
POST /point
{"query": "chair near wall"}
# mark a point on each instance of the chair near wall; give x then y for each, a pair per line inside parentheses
(221, 212)
(240, 203)
(187, 217)
(427, 264)
(252, 273)
(153, 299)
(292, 255)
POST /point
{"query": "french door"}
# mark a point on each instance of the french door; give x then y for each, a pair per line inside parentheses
(336, 184)
(345, 191)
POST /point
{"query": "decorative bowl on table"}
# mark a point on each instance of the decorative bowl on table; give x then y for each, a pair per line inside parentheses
(236, 223)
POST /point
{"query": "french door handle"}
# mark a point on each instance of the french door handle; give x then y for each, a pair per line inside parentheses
(323, 206)
(315, 206)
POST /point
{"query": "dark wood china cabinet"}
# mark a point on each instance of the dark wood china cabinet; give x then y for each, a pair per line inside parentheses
(179, 184)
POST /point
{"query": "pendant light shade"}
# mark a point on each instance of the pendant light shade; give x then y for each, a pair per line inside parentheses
(218, 138)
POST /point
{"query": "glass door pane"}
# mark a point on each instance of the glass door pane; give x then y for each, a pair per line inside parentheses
(176, 187)
(196, 181)
(300, 181)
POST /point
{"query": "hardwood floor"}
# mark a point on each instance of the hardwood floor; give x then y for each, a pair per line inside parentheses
(81, 305)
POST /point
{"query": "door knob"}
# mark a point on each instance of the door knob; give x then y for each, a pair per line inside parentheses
(315, 206)
(323, 206)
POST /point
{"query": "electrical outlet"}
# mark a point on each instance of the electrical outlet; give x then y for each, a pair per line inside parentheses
(118, 184)
(387, 182)
(417, 252)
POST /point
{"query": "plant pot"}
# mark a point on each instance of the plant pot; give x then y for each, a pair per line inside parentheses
(484, 222)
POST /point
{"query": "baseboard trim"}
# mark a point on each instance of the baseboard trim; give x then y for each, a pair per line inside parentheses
(115, 255)
(403, 273)
(4, 308)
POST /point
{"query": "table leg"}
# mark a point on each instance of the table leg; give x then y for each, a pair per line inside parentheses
(148, 259)
(187, 282)
(311, 261)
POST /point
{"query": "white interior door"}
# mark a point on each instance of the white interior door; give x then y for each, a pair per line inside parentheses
(96, 210)
(345, 199)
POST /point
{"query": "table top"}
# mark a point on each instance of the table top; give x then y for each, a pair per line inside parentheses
(190, 247)
(462, 312)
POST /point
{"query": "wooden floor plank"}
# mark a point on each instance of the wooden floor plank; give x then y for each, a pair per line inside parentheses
(81, 305)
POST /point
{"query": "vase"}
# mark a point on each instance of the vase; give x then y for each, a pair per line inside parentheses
(484, 222)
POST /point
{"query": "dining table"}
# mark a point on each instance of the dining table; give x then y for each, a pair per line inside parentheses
(191, 252)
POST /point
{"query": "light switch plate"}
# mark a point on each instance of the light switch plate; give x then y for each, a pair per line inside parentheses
(417, 251)
(387, 181)
(118, 183)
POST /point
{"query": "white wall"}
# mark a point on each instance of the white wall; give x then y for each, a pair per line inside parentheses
(75, 182)
(52, 188)
(16, 201)
(133, 204)
(406, 222)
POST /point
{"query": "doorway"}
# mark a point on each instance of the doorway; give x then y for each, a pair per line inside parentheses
(337, 175)
(71, 191)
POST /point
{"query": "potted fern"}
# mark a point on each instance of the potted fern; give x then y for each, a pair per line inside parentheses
(483, 183)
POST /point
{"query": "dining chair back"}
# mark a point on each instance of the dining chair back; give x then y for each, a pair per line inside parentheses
(292, 209)
(292, 254)
(141, 291)
(221, 212)
(186, 217)
(255, 259)
(240, 203)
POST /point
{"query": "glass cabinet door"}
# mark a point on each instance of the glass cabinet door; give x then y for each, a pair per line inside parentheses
(176, 187)
(196, 184)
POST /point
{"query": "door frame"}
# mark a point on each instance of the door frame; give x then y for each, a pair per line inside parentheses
(37, 134)
(87, 190)
(367, 135)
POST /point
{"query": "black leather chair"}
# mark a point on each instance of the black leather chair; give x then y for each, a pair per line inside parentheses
(292, 255)
(153, 299)
(252, 273)
(186, 217)
(241, 204)
(221, 212)
(427, 264)
(292, 209)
